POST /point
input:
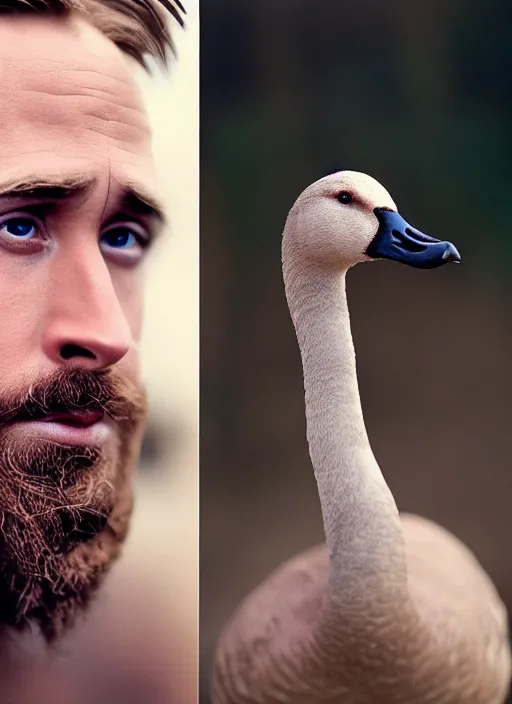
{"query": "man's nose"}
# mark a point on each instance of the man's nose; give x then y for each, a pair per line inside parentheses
(85, 326)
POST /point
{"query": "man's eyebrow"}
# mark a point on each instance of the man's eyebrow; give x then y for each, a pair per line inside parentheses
(134, 198)
(45, 187)
(139, 201)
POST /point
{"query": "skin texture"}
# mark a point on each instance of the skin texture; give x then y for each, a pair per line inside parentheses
(71, 308)
(393, 608)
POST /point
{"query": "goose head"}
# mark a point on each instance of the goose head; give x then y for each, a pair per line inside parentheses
(348, 217)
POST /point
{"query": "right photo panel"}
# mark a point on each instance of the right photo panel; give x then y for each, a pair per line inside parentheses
(355, 344)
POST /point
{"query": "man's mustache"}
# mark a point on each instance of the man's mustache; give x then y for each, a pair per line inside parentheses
(76, 390)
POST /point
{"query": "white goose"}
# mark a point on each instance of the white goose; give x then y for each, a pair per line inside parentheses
(392, 609)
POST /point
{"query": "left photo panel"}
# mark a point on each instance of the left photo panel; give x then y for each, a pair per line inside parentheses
(99, 351)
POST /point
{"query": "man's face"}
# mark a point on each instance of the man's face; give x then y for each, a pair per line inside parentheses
(76, 216)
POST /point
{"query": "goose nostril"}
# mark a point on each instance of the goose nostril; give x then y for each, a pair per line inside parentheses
(410, 242)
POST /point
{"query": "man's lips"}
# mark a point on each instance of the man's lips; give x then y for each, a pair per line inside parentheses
(81, 419)
(89, 427)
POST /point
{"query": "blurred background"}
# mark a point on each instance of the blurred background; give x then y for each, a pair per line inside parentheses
(417, 95)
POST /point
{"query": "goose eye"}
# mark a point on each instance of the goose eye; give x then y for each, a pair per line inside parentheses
(345, 197)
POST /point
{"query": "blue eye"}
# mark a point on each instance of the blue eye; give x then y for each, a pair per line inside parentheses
(120, 238)
(20, 228)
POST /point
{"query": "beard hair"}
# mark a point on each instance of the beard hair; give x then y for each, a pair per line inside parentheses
(64, 510)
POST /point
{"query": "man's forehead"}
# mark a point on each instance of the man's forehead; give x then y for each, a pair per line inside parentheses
(70, 104)
(62, 57)
(65, 41)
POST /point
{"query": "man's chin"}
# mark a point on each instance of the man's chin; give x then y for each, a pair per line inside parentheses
(72, 509)
(65, 580)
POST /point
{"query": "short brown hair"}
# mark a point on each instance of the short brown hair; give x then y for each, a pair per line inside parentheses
(137, 27)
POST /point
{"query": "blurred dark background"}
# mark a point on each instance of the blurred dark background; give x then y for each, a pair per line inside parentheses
(417, 94)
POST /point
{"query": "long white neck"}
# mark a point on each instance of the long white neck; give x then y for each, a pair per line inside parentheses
(362, 527)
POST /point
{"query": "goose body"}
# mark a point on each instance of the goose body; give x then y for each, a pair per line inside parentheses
(392, 609)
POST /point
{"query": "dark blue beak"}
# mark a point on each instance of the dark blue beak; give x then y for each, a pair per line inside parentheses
(397, 240)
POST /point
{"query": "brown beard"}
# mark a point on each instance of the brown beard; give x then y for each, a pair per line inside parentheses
(64, 510)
